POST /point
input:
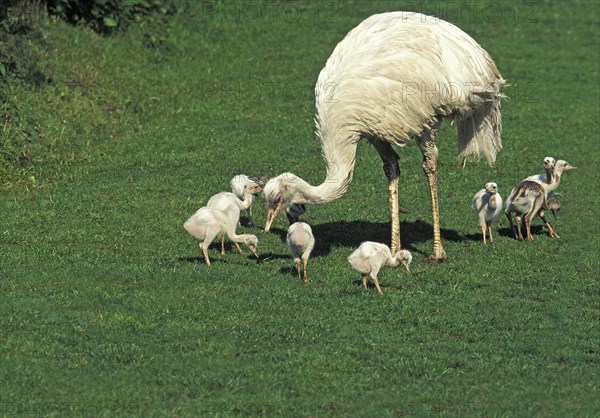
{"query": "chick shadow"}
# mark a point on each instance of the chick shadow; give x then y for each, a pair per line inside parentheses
(215, 256)
(535, 230)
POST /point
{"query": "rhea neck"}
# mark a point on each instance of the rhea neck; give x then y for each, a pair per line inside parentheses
(393, 261)
(338, 148)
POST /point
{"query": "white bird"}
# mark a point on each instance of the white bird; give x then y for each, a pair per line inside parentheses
(370, 257)
(395, 76)
(231, 205)
(208, 223)
(300, 241)
(487, 203)
(238, 187)
(527, 198)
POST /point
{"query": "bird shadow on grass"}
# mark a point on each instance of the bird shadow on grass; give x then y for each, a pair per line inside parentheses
(535, 230)
(353, 233)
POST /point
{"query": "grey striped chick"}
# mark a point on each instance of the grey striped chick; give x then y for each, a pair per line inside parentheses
(527, 198)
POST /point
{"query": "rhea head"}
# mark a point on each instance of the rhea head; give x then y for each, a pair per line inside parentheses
(491, 187)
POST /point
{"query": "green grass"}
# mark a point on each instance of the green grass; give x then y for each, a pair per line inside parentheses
(108, 310)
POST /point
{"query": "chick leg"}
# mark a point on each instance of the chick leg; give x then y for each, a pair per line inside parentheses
(518, 222)
(550, 230)
(376, 284)
(305, 263)
(483, 231)
(205, 254)
(297, 263)
(250, 218)
(223, 244)
(528, 227)
(489, 228)
(512, 226)
(364, 280)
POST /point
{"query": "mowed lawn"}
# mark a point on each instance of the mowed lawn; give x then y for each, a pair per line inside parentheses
(108, 309)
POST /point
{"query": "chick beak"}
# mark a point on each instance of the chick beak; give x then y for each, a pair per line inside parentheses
(271, 215)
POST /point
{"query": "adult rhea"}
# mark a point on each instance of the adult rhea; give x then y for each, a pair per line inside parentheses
(395, 76)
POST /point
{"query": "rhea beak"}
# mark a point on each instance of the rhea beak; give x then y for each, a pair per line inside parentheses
(405, 263)
(271, 215)
(253, 249)
(571, 167)
(554, 214)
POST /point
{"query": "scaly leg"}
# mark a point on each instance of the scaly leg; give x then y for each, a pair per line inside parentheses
(430, 156)
(392, 172)
(364, 280)
(305, 263)
(394, 215)
(223, 244)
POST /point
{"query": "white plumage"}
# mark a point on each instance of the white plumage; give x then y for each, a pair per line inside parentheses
(370, 257)
(300, 241)
(394, 76)
(231, 205)
(239, 186)
(207, 223)
(487, 203)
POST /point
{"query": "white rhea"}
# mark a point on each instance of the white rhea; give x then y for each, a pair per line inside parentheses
(487, 203)
(238, 186)
(300, 241)
(208, 223)
(396, 76)
(370, 257)
(231, 205)
(527, 198)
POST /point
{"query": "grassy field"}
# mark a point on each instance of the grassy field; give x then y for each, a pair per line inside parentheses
(107, 308)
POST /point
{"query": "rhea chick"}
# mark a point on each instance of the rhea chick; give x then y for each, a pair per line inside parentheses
(231, 205)
(207, 223)
(240, 184)
(370, 257)
(553, 205)
(301, 242)
(487, 203)
(527, 198)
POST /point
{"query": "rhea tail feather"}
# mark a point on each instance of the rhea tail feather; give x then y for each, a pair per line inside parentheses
(479, 132)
